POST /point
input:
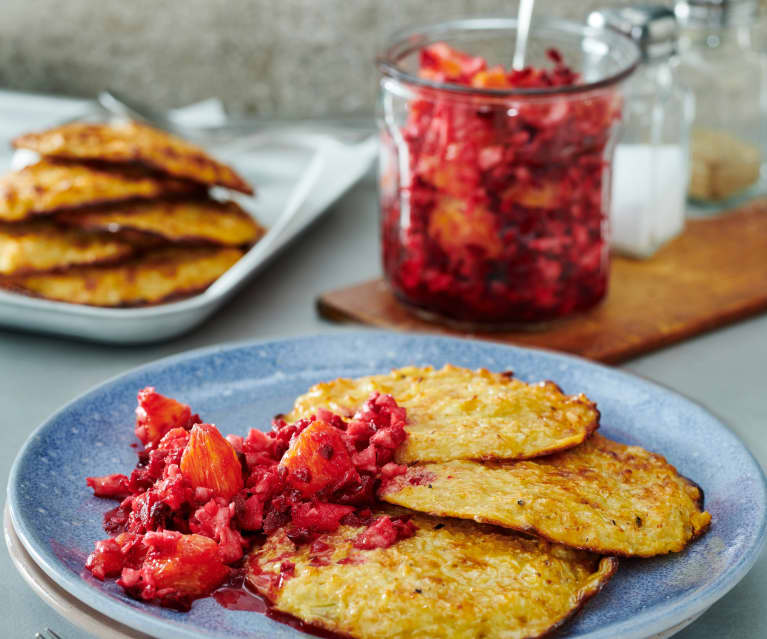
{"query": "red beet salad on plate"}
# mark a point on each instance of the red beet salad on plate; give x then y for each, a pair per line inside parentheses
(198, 501)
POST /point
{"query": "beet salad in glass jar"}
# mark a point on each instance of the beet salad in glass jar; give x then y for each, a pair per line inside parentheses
(495, 181)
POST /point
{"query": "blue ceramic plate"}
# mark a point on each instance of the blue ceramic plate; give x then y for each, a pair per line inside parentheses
(241, 386)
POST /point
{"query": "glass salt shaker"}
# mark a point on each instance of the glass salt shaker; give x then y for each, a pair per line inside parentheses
(651, 168)
(720, 63)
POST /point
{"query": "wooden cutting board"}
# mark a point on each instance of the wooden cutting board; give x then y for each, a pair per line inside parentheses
(715, 273)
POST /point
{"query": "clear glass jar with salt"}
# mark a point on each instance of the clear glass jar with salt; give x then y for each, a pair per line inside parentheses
(651, 167)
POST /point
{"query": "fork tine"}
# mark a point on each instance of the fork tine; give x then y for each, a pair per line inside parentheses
(53, 634)
(39, 636)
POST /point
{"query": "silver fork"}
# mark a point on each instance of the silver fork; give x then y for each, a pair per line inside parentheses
(350, 129)
(47, 633)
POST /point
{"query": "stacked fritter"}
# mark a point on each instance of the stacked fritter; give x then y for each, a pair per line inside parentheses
(118, 214)
(554, 503)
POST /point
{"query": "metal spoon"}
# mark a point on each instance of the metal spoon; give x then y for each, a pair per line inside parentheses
(524, 17)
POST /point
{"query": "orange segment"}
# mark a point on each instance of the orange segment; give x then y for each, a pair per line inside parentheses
(209, 461)
(317, 459)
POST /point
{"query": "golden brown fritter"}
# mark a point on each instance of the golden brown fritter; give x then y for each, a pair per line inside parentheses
(47, 187)
(457, 413)
(180, 221)
(131, 142)
(39, 246)
(601, 496)
(452, 580)
(156, 277)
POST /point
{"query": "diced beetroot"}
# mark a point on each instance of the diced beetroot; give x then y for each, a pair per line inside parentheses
(210, 461)
(174, 440)
(362, 517)
(275, 519)
(116, 520)
(106, 560)
(173, 489)
(384, 532)
(214, 520)
(265, 481)
(259, 449)
(111, 555)
(287, 569)
(147, 513)
(133, 549)
(141, 479)
(320, 517)
(376, 431)
(391, 470)
(257, 442)
(318, 459)
(249, 509)
(380, 534)
(381, 412)
(324, 415)
(159, 458)
(157, 414)
(113, 486)
(359, 432)
(164, 543)
(320, 546)
(361, 494)
(387, 438)
(366, 460)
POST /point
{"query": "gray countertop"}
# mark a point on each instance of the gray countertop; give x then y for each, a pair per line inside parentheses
(723, 370)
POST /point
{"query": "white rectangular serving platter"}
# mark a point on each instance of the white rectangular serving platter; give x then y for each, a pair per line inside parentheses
(298, 173)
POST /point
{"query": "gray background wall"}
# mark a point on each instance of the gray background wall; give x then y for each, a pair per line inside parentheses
(286, 57)
(276, 57)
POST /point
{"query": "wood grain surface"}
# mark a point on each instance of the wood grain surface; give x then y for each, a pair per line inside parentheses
(713, 274)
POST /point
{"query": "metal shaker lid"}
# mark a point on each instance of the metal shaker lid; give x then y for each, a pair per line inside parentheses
(715, 13)
(653, 27)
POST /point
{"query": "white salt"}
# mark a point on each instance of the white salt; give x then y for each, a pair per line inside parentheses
(649, 187)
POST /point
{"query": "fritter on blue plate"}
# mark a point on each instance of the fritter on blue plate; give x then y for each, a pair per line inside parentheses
(457, 413)
(451, 580)
(600, 496)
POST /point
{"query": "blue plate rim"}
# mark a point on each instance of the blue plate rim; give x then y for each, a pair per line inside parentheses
(656, 620)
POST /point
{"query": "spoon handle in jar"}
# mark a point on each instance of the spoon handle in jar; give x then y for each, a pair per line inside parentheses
(524, 16)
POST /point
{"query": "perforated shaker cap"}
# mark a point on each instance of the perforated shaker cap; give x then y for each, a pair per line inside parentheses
(653, 27)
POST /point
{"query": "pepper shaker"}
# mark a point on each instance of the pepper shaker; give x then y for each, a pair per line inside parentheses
(651, 169)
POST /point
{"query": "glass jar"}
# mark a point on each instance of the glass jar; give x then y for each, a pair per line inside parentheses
(651, 166)
(494, 200)
(728, 75)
